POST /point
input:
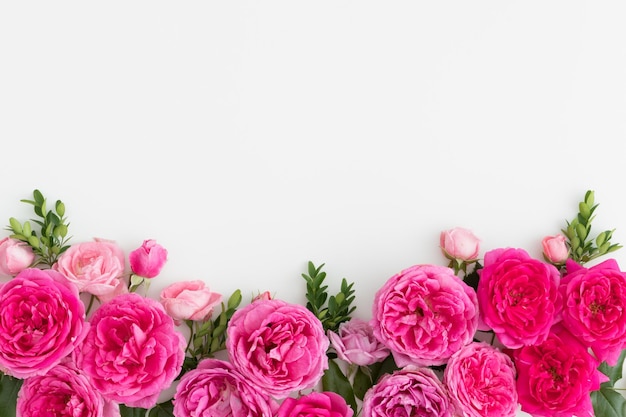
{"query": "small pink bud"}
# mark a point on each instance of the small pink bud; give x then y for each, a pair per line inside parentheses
(555, 249)
(459, 243)
(148, 260)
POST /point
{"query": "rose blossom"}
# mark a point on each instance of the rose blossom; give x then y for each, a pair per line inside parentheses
(424, 314)
(518, 296)
(43, 320)
(595, 307)
(481, 381)
(555, 249)
(459, 243)
(319, 404)
(132, 351)
(189, 300)
(280, 347)
(217, 389)
(148, 260)
(412, 391)
(15, 256)
(355, 343)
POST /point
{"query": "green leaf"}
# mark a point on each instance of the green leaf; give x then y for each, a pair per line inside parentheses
(9, 387)
(608, 403)
(362, 382)
(165, 409)
(613, 372)
(126, 411)
(234, 300)
(334, 380)
(380, 369)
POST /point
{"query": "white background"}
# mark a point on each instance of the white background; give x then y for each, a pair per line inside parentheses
(251, 137)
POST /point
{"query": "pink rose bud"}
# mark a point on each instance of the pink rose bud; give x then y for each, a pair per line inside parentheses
(189, 300)
(263, 296)
(459, 243)
(148, 260)
(555, 249)
(15, 256)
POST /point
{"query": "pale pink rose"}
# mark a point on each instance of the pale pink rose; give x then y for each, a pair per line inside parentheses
(215, 388)
(132, 351)
(355, 343)
(43, 320)
(424, 314)
(15, 256)
(459, 243)
(518, 297)
(148, 260)
(411, 391)
(481, 381)
(555, 249)
(318, 404)
(280, 347)
(189, 300)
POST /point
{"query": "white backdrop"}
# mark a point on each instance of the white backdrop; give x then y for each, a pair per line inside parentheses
(251, 137)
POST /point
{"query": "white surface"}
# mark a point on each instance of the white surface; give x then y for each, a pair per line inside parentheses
(251, 137)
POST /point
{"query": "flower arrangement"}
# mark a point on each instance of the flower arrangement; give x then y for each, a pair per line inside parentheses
(475, 336)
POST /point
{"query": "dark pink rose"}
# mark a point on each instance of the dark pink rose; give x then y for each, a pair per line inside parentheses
(132, 351)
(424, 314)
(215, 388)
(43, 320)
(481, 381)
(555, 249)
(556, 376)
(518, 297)
(355, 343)
(280, 347)
(411, 391)
(148, 260)
(318, 404)
(189, 300)
(15, 256)
(595, 307)
(459, 243)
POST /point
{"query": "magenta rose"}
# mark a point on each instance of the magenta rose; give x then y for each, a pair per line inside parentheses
(355, 343)
(319, 404)
(148, 260)
(518, 297)
(280, 347)
(481, 381)
(411, 391)
(595, 307)
(555, 249)
(424, 314)
(132, 351)
(189, 300)
(459, 243)
(43, 320)
(15, 256)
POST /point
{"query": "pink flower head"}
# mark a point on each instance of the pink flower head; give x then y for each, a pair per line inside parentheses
(15, 256)
(355, 343)
(132, 351)
(280, 347)
(265, 295)
(481, 381)
(411, 391)
(217, 389)
(189, 300)
(518, 297)
(459, 243)
(595, 307)
(555, 249)
(148, 260)
(43, 320)
(424, 314)
(319, 404)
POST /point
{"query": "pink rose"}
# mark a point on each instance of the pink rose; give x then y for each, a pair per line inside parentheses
(412, 391)
(555, 249)
(459, 243)
(189, 300)
(595, 307)
(355, 343)
(424, 314)
(132, 351)
(43, 320)
(217, 389)
(15, 256)
(265, 295)
(556, 376)
(319, 404)
(280, 347)
(518, 297)
(481, 381)
(148, 260)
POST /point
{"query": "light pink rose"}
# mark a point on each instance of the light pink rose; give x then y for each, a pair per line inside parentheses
(280, 347)
(424, 314)
(265, 295)
(318, 404)
(189, 300)
(518, 297)
(411, 391)
(43, 320)
(148, 260)
(595, 307)
(481, 381)
(15, 256)
(132, 351)
(555, 249)
(459, 243)
(355, 343)
(215, 388)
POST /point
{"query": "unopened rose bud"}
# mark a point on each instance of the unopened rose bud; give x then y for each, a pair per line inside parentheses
(555, 249)
(459, 243)
(148, 260)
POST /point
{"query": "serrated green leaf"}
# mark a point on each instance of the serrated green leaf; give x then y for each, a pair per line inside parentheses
(334, 380)
(608, 403)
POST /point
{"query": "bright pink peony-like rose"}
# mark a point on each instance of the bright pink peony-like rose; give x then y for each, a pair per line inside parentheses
(555, 249)
(43, 320)
(148, 260)
(318, 404)
(189, 300)
(132, 351)
(412, 391)
(15, 256)
(481, 381)
(217, 389)
(280, 347)
(459, 243)
(355, 343)
(595, 307)
(424, 314)
(518, 297)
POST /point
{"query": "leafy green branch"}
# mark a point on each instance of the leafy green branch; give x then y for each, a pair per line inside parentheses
(607, 402)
